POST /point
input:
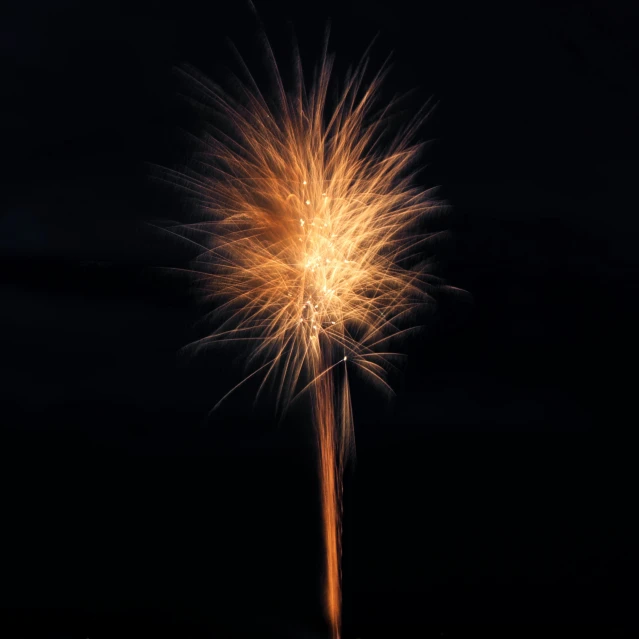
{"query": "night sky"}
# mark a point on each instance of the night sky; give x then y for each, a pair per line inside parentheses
(494, 495)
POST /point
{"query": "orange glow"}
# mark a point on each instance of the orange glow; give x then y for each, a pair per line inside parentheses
(311, 220)
(330, 425)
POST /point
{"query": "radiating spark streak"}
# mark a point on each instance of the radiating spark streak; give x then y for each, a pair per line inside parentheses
(316, 379)
(376, 376)
(310, 216)
(246, 379)
(396, 334)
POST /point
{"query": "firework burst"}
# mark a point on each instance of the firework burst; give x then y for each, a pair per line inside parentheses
(312, 221)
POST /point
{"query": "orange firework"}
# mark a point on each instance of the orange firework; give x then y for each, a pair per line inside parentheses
(312, 223)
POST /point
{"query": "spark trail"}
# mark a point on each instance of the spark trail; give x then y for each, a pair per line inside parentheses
(311, 227)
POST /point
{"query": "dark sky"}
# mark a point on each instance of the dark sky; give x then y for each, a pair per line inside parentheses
(493, 496)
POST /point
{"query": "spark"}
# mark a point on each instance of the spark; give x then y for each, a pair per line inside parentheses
(312, 286)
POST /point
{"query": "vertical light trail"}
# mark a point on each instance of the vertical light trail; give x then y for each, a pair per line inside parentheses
(333, 424)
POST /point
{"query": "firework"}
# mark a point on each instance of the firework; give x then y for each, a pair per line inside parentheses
(312, 221)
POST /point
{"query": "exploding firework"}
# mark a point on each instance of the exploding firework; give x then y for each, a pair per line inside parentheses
(312, 224)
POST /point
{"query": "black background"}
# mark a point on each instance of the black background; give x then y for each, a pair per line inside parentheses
(495, 495)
